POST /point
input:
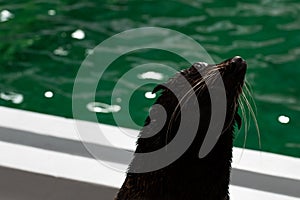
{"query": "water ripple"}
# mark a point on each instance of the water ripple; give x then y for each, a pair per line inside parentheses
(291, 55)
(242, 44)
(173, 21)
(276, 98)
(246, 30)
(218, 26)
(270, 8)
(234, 29)
(256, 10)
(15, 98)
(295, 25)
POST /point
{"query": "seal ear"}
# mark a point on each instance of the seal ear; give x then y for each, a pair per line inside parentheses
(238, 120)
(200, 65)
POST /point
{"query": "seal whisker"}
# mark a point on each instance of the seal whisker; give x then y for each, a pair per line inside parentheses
(247, 89)
(243, 110)
(247, 119)
(254, 120)
(242, 107)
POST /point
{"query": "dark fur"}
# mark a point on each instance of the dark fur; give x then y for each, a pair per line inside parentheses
(189, 177)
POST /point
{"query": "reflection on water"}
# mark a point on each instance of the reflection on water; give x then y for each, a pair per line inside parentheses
(293, 145)
(12, 96)
(78, 34)
(48, 94)
(99, 107)
(51, 12)
(283, 119)
(150, 95)
(60, 51)
(44, 42)
(151, 75)
(5, 15)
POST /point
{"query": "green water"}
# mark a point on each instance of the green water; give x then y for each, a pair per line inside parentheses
(39, 54)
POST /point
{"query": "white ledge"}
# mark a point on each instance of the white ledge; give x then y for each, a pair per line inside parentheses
(54, 162)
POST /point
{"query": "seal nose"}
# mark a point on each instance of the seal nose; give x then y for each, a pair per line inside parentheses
(237, 59)
(238, 64)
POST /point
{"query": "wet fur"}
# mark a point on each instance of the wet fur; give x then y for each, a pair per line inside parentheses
(188, 177)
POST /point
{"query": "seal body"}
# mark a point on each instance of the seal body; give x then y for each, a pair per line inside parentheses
(188, 177)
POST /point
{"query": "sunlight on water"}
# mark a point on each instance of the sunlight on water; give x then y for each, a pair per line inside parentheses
(283, 119)
(99, 107)
(5, 15)
(150, 95)
(44, 43)
(48, 94)
(151, 75)
(60, 51)
(12, 96)
(78, 34)
(51, 12)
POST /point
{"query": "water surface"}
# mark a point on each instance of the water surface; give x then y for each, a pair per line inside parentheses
(43, 44)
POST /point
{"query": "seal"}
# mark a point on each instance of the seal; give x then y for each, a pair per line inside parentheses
(189, 177)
